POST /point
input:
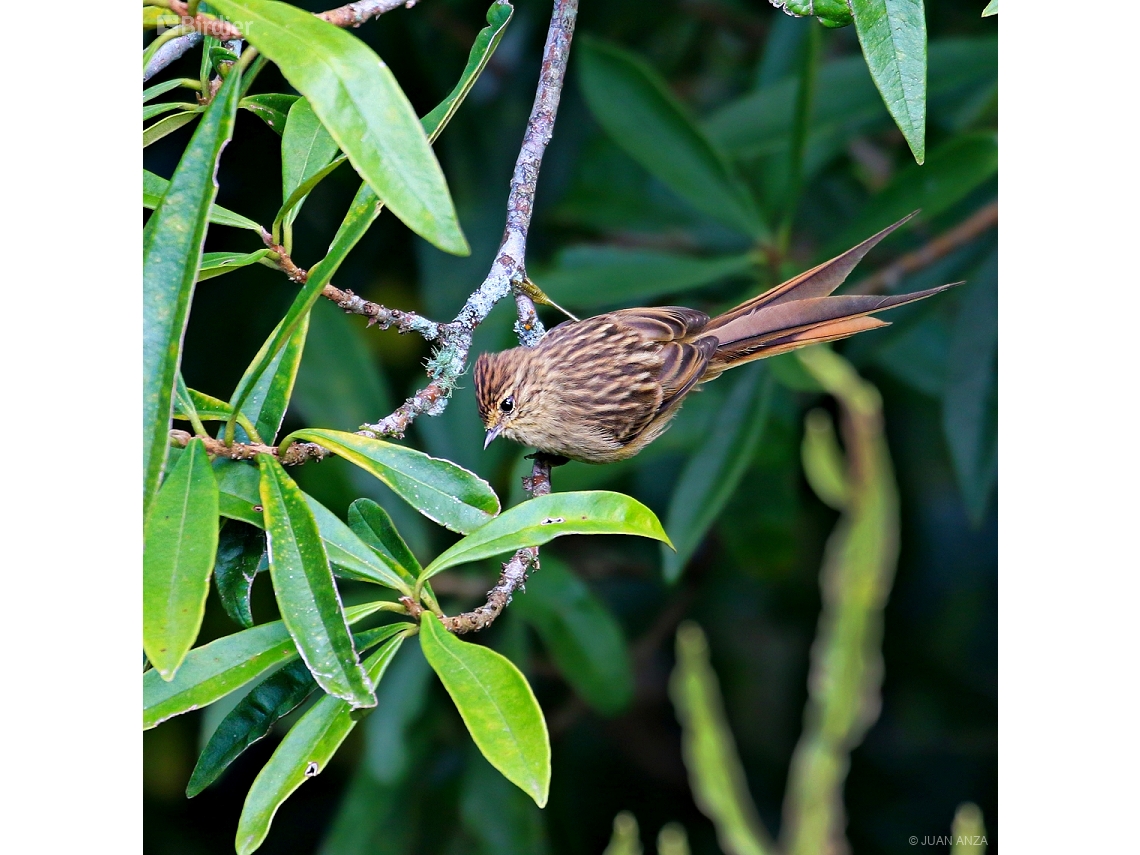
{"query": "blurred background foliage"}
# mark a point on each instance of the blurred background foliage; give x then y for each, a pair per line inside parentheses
(615, 226)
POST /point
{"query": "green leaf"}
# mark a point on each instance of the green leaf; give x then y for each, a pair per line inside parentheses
(152, 110)
(498, 16)
(953, 171)
(439, 489)
(165, 127)
(497, 705)
(271, 107)
(155, 186)
(541, 519)
(218, 668)
(716, 775)
(372, 524)
(292, 204)
(251, 718)
(172, 249)
(581, 634)
(164, 87)
(240, 499)
(180, 540)
(715, 470)
(589, 277)
(306, 149)
(634, 106)
(353, 556)
(991, 9)
(358, 100)
(241, 554)
(892, 34)
(303, 753)
(264, 400)
(219, 263)
(846, 100)
(305, 590)
(969, 401)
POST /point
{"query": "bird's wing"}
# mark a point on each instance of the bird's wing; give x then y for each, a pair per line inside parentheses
(662, 323)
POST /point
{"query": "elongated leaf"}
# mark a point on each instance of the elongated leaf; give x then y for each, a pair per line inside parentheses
(240, 499)
(892, 34)
(164, 87)
(953, 171)
(498, 16)
(172, 249)
(969, 402)
(716, 775)
(439, 489)
(713, 473)
(358, 100)
(292, 204)
(164, 127)
(272, 699)
(580, 633)
(155, 186)
(271, 107)
(152, 110)
(219, 263)
(593, 276)
(846, 99)
(305, 590)
(218, 668)
(180, 540)
(372, 524)
(264, 400)
(633, 104)
(241, 554)
(991, 9)
(497, 705)
(351, 555)
(306, 148)
(540, 520)
(303, 753)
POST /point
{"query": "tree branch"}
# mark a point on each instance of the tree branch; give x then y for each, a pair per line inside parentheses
(349, 15)
(508, 271)
(515, 571)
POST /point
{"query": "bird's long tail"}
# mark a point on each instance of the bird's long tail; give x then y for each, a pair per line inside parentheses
(802, 311)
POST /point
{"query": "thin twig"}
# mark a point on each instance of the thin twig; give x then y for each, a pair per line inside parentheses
(296, 454)
(509, 268)
(887, 278)
(350, 15)
(515, 571)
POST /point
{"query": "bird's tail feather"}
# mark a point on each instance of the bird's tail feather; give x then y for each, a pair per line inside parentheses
(802, 311)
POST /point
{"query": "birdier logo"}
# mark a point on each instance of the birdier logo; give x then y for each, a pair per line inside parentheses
(187, 24)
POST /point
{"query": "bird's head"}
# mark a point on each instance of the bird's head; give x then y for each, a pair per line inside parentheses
(503, 394)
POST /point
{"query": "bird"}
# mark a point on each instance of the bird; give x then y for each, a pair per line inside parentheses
(599, 390)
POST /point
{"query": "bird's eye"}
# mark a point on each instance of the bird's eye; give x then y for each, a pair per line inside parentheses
(508, 404)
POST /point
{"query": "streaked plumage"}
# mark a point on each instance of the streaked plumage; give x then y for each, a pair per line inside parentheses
(601, 389)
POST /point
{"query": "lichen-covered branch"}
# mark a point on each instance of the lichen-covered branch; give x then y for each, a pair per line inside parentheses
(515, 571)
(349, 15)
(508, 271)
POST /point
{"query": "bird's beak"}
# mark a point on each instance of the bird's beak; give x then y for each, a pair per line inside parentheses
(491, 434)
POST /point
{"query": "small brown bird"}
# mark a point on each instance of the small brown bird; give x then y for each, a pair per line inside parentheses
(601, 389)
